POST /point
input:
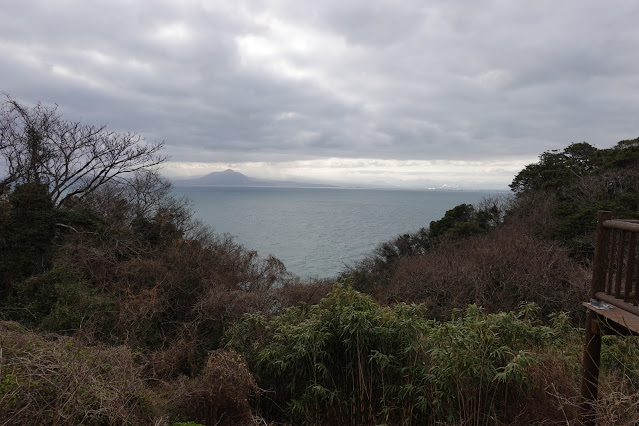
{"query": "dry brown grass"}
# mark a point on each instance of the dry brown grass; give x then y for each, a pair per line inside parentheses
(49, 379)
(57, 380)
(554, 396)
(618, 402)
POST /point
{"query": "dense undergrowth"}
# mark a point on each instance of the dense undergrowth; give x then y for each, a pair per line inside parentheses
(347, 360)
(117, 307)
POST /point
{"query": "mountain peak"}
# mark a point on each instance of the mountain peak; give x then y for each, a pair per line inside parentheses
(230, 177)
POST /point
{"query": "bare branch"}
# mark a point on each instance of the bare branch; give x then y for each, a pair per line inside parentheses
(71, 158)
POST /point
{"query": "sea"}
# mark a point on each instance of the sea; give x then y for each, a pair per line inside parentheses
(317, 232)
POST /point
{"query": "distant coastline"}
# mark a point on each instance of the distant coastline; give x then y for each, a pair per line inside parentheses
(236, 179)
(231, 178)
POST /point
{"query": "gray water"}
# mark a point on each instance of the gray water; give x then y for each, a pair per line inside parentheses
(317, 231)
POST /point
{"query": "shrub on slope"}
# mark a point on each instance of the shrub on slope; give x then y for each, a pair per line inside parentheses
(496, 271)
(49, 379)
(350, 361)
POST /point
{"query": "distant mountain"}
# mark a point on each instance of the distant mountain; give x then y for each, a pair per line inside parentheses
(232, 178)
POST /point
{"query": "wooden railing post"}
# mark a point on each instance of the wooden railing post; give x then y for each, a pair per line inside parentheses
(602, 243)
(592, 345)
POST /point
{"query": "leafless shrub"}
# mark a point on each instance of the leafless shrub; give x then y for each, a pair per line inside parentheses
(220, 395)
(309, 292)
(612, 184)
(171, 362)
(618, 404)
(531, 212)
(502, 203)
(497, 271)
(202, 284)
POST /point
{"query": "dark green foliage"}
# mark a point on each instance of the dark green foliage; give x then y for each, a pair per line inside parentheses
(347, 360)
(490, 216)
(157, 230)
(79, 220)
(465, 220)
(577, 220)
(406, 245)
(55, 299)
(59, 300)
(27, 229)
(623, 155)
(583, 179)
(556, 169)
(452, 221)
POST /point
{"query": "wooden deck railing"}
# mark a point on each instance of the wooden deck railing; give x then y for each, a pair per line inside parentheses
(614, 298)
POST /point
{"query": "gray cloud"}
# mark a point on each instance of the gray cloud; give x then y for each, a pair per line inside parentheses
(288, 80)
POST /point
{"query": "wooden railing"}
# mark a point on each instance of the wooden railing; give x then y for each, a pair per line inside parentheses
(614, 298)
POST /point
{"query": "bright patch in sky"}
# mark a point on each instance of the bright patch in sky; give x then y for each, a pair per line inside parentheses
(175, 32)
(70, 74)
(409, 93)
(412, 173)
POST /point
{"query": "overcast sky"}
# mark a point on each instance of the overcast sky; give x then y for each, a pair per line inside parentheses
(413, 92)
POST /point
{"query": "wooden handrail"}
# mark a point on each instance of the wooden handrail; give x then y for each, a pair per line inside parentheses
(622, 225)
(615, 281)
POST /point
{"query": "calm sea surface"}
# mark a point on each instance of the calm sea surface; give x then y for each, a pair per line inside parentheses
(316, 231)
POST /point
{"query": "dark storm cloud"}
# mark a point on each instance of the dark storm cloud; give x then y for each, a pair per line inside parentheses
(270, 81)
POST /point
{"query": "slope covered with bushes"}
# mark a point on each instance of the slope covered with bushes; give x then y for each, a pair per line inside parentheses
(115, 263)
(534, 246)
(117, 307)
(348, 360)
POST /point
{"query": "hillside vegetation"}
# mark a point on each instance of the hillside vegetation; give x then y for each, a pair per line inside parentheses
(117, 307)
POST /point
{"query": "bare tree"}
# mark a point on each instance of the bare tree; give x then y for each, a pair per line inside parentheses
(71, 158)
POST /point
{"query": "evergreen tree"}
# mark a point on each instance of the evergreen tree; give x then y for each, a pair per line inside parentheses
(27, 229)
